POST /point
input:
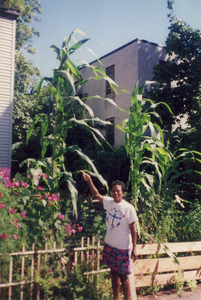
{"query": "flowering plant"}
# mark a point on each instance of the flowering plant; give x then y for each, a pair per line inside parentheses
(29, 213)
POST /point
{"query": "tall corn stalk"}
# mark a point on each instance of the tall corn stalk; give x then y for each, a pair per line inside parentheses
(143, 139)
(67, 110)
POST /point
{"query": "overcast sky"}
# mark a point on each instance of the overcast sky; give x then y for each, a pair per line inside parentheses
(109, 23)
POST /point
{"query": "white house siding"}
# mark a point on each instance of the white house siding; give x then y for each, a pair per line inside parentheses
(7, 50)
(134, 63)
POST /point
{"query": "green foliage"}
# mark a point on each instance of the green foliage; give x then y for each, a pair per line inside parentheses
(141, 140)
(30, 214)
(26, 77)
(179, 86)
(28, 13)
(155, 172)
(57, 282)
(66, 110)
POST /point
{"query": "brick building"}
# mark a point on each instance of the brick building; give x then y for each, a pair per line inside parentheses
(127, 65)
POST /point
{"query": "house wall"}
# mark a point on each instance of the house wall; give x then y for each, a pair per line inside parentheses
(134, 63)
(7, 50)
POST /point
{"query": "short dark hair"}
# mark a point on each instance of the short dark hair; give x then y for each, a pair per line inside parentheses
(118, 182)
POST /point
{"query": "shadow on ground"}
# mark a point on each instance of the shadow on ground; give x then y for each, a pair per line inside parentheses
(169, 295)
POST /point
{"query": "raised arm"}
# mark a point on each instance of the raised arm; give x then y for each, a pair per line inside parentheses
(92, 187)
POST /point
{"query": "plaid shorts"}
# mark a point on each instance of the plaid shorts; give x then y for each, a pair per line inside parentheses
(116, 259)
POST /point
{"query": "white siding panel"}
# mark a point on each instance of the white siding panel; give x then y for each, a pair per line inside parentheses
(5, 48)
(7, 43)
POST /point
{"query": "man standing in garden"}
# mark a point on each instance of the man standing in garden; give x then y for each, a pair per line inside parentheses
(121, 238)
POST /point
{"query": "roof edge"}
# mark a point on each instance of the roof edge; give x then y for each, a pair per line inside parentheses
(9, 12)
(126, 45)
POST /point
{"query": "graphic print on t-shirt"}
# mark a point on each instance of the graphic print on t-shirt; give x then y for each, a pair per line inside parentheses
(114, 217)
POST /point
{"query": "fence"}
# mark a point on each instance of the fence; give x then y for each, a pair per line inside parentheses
(148, 270)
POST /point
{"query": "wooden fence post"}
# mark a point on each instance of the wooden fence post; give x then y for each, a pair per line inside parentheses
(38, 287)
(82, 252)
(69, 257)
(22, 273)
(10, 278)
(32, 272)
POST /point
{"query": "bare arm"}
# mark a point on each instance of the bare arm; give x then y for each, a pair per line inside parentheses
(92, 187)
(134, 240)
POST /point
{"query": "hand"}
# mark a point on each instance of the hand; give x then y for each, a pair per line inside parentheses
(85, 176)
(134, 254)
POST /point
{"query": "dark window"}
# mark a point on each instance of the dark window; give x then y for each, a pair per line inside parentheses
(110, 131)
(109, 90)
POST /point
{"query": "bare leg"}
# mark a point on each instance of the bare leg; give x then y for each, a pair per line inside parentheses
(125, 285)
(115, 284)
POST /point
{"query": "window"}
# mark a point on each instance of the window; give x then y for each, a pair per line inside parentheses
(110, 73)
(110, 131)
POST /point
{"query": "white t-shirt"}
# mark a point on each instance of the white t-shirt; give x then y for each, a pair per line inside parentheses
(119, 216)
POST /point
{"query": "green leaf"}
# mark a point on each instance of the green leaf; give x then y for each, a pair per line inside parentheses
(89, 161)
(44, 127)
(44, 148)
(78, 45)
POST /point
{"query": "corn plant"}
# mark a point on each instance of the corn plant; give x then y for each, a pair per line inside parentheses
(66, 109)
(142, 137)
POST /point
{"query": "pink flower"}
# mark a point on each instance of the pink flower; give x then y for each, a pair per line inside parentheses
(60, 215)
(150, 238)
(9, 184)
(19, 225)
(50, 271)
(141, 274)
(2, 205)
(73, 231)
(28, 176)
(5, 172)
(11, 210)
(4, 236)
(63, 286)
(15, 236)
(40, 188)
(11, 222)
(79, 228)
(55, 197)
(138, 288)
(51, 281)
(23, 214)
(16, 184)
(68, 229)
(57, 278)
(1, 195)
(24, 183)
(44, 175)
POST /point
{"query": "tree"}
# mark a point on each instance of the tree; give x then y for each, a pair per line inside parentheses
(180, 78)
(179, 84)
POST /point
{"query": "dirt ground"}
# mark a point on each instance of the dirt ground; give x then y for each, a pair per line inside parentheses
(168, 295)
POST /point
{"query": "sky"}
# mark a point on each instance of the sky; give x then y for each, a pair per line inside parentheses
(108, 23)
